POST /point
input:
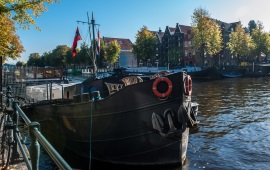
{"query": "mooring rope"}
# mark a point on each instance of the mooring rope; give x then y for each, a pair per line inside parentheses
(90, 143)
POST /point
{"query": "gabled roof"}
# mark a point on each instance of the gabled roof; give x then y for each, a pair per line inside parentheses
(172, 30)
(227, 26)
(185, 29)
(159, 34)
(125, 44)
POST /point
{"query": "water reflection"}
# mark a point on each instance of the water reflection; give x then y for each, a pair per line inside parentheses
(235, 125)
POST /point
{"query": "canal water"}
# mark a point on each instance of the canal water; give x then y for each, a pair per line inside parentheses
(234, 129)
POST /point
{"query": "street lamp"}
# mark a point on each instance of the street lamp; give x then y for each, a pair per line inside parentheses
(140, 63)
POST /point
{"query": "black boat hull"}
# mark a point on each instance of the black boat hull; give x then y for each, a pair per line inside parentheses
(119, 128)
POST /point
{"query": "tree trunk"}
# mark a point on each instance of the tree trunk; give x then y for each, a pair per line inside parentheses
(202, 55)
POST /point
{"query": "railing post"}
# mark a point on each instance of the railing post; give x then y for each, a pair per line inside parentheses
(34, 146)
(8, 96)
(15, 153)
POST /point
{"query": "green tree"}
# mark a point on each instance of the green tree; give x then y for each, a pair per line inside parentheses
(112, 52)
(207, 37)
(84, 56)
(251, 25)
(46, 58)
(35, 61)
(261, 40)
(20, 64)
(101, 58)
(145, 46)
(57, 58)
(240, 43)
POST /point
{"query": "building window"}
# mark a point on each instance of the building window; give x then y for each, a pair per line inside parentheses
(189, 43)
(189, 55)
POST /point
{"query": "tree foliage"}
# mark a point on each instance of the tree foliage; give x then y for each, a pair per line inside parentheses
(35, 61)
(261, 40)
(207, 37)
(112, 52)
(101, 61)
(240, 43)
(144, 47)
(20, 64)
(23, 11)
(19, 12)
(198, 14)
(84, 55)
(251, 25)
(58, 55)
(10, 44)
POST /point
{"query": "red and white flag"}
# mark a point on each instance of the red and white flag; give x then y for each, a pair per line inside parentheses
(76, 39)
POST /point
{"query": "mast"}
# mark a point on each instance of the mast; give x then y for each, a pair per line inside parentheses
(94, 52)
(94, 45)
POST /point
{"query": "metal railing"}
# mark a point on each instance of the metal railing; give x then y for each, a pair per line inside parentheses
(12, 112)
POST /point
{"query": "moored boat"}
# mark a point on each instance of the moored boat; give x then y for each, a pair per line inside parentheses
(121, 118)
(132, 122)
(231, 74)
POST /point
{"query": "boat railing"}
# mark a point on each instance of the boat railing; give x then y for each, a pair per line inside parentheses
(12, 112)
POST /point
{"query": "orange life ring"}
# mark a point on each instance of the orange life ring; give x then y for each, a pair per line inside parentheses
(155, 90)
(188, 85)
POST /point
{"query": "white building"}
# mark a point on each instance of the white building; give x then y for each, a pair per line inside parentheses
(126, 57)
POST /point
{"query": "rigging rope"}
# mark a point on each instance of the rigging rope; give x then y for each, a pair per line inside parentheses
(90, 143)
(87, 39)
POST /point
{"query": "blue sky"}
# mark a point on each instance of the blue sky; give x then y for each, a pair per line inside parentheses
(124, 18)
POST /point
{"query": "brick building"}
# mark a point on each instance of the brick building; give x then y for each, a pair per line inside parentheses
(175, 47)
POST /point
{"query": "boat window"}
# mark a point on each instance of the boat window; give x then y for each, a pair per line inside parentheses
(57, 73)
(131, 80)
